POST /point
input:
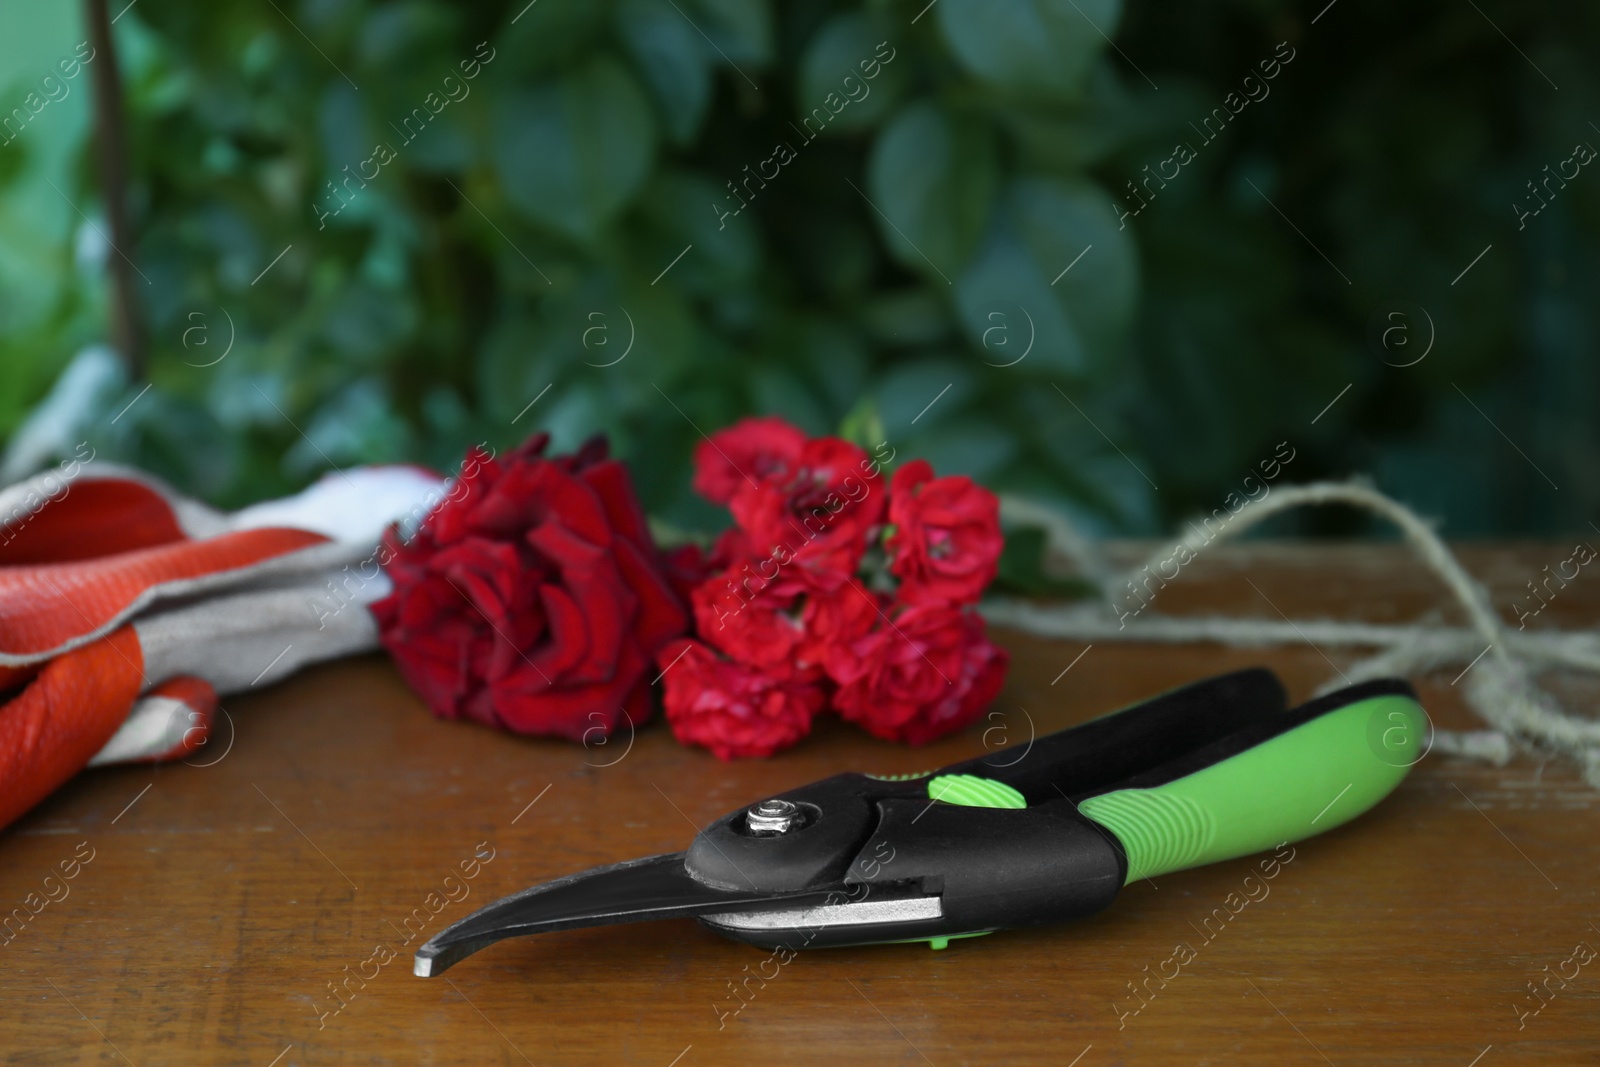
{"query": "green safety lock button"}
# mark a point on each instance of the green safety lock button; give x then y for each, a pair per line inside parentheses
(974, 792)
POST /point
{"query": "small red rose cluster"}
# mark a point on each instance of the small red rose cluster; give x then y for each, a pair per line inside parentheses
(831, 590)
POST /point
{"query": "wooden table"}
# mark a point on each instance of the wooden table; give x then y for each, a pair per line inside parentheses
(222, 901)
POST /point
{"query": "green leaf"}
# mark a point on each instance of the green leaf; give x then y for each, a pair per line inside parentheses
(1022, 568)
(920, 393)
(1058, 220)
(12, 163)
(1101, 488)
(522, 356)
(906, 318)
(863, 425)
(358, 424)
(363, 324)
(1010, 313)
(1019, 301)
(345, 131)
(547, 36)
(671, 337)
(932, 177)
(572, 416)
(841, 60)
(682, 209)
(967, 445)
(1029, 46)
(1108, 119)
(780, 391)
(570, 154)
(740, 30)
(397, 37)
(836, 355)
(175, 439)
(675, 60)
(836, 252)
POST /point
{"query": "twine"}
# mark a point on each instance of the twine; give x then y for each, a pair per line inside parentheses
(1501, 662)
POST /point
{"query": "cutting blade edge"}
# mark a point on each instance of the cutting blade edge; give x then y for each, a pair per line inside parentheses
(655, 887)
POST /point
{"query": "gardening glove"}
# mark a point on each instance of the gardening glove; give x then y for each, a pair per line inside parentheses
(126, 609)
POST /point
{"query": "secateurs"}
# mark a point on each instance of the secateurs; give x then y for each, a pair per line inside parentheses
(1217, 769)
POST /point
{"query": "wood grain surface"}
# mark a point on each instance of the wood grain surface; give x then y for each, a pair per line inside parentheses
(212, 908)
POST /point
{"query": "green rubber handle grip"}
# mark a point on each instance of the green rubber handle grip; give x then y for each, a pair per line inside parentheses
(1301, 782)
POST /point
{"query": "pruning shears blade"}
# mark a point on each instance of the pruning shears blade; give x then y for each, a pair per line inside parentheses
(656, 887)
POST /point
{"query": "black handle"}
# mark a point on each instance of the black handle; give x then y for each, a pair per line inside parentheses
(1104, 752)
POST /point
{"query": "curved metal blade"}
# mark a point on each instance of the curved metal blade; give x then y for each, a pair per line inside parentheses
(656, 887)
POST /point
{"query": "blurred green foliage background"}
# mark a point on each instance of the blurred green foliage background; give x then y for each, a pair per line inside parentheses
(574, 200)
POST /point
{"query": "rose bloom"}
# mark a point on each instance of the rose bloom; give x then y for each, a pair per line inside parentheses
(820, 515)
(930, 673)
(757, 623)
(532, 596)
(946, 541)
(735, 710)
(686, 567)
(759, 449)
(838, 616)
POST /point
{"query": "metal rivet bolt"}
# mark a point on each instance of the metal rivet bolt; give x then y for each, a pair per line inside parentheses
(772, 817)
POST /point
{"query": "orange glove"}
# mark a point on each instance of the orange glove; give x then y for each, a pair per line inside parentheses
(113, 586)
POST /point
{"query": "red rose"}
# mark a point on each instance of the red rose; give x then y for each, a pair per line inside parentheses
(686, 567)
(689, 566)
(757, 623)
(946, 541)
(751, 450)
(820, 514)
(838, 616)
(983, 674)
(532, 596)
(734, 710)
(928, 672)
(731, 545)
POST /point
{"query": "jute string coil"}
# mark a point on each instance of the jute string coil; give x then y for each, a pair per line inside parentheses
(1500, 685)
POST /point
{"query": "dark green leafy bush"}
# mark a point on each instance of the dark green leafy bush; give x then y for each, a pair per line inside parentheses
(649, 217)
